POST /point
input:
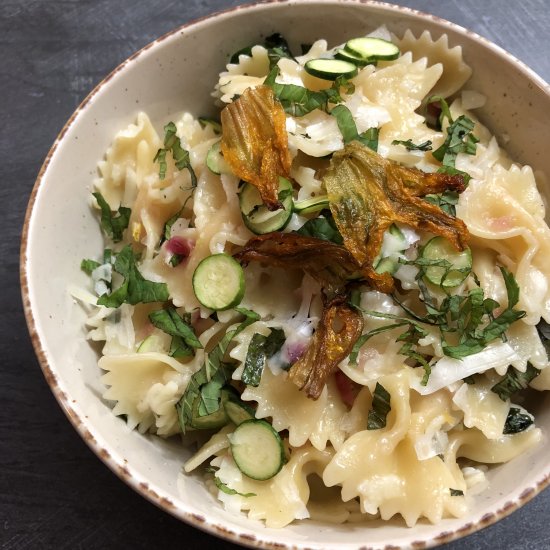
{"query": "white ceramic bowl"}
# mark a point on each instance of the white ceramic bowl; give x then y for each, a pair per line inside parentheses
(177, 72)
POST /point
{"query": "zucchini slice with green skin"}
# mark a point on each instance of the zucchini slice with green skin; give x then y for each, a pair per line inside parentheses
(353, 58)
(150, 344)
(257, 217)
(371, 48)
(315, 204)
(215, 161)
(257, 449)
(218, 282)
(237, 411)
(330, 69)
(439, 248)
(387, 265)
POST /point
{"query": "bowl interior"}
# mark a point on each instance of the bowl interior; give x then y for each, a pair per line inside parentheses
(175, 74)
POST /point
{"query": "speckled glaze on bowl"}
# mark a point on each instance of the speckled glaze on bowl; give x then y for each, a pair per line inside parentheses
(175, 73)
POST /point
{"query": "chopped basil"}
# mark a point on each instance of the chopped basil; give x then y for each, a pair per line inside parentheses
(134, 289)
(89, 265)
(470, 380)
(208, 381)
(380, 408)
(215, 124)
(543, 329)
(112, 225)
(348, 129)
(516, 421)
(184, 340)
(260, 349)
(460, 139)
(447, 201)
(514, 381)
(223, 487)
(456, 493)
(181, 157)
(322, 227)
(277, 48)
(168, 226)
(228, 491)
(425, 146)
(299, 101)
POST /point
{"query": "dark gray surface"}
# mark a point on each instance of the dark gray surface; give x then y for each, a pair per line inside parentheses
(54, 493)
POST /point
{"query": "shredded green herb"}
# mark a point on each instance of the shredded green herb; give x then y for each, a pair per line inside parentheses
(207, 382)
(380, 408)
(223, 487)
(135, 288)
(456, 493)
(514, 381)
(425, 146)
(184, 340)
(460, 139)
(322, 227)
(348, 128)
(447, 201)
(299, 101)
(277, 48)
(88, 266)
(112, 224)
(516, 421)
(260, 349)
(181, 157)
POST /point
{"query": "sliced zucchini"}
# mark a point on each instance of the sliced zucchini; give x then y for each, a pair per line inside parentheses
(257, 217)
(440, 248)
(218, 282)
(330, 69)
(372, 49)
(308, 206)
(257, 449)
(352, 58)
(237, 411)
(211, 421)
(153, 342)
(215, 161)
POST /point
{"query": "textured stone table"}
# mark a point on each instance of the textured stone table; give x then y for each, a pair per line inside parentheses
(54, 492)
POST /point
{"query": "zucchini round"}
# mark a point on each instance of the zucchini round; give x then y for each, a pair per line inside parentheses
(257, 217)
(440, 248)
(257, 449)
(369, 48)
(330, 69)
(218, 282)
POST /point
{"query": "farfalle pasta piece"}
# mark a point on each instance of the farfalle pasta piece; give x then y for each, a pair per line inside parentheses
(146, 387)
(279, 500)
(455, 71)
(290, 409)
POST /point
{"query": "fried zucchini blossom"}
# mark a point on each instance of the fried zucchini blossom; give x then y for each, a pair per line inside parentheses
(367, 193)
(255, 143)
(338, 330)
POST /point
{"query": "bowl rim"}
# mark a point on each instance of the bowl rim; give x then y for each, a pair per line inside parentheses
(119, 467)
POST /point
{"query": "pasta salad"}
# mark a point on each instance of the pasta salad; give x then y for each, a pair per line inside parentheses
(336, 292)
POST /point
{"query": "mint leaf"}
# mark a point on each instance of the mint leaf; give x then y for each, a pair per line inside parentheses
(514, 381)
(260, 349)
(299, 101)
(348, 128)
(425, 146)
(184, 340)
(88, 266)
(180, 155)
(516, 421)
(207, 382)
(113, 225)
(322, 228)
(134, 289)
(380, 408)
